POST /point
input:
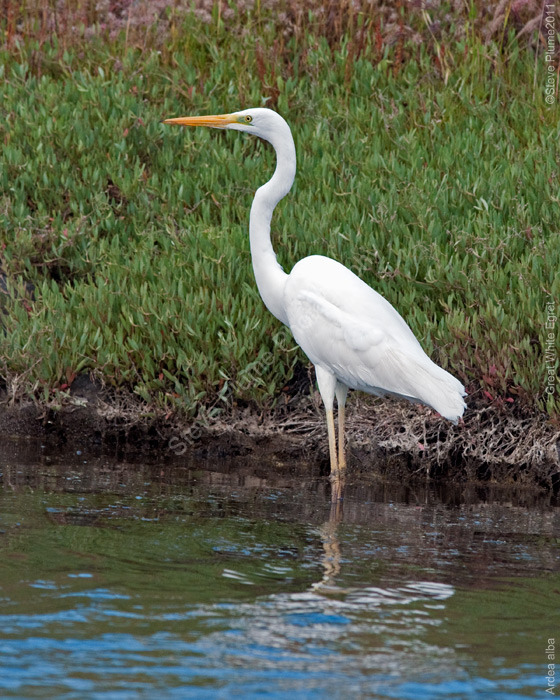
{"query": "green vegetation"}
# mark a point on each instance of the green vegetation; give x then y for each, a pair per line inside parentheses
(431, 173)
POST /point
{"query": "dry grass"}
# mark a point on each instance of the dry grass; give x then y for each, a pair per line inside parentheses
(386, 440)
(505, 443)
(149, 24)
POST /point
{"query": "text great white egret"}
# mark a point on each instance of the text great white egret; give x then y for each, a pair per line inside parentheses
(352, 335)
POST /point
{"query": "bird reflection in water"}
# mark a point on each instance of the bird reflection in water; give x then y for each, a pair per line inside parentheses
(331, 547)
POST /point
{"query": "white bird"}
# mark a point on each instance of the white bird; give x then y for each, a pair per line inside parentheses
(352, 335)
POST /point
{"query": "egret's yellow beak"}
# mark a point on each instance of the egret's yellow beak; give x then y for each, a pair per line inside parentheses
(217, 121)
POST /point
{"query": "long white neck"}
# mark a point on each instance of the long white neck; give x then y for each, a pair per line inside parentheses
(269, 275)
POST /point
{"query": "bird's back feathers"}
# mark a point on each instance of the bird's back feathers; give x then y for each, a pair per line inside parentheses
(350, 330)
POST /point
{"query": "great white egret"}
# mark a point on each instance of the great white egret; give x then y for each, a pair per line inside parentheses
(352, 335)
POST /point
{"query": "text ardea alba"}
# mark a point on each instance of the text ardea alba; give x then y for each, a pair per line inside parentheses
(352, 335)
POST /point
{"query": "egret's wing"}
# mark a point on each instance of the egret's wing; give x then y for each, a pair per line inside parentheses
(371, 354)
(339, 327)
(358, 350)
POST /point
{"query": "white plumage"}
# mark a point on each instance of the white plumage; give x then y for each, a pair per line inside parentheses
(351, 331)
(352, 335)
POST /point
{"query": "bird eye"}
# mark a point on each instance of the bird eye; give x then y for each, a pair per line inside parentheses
(248, 118)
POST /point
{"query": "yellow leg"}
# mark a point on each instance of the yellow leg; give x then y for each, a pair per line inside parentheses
(332, 443)
(337, 470)
(341, 450)
(329, 387)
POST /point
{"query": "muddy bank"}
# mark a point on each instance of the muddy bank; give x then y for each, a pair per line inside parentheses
(386, 439)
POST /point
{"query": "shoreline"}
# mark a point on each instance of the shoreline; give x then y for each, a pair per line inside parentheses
(386, 439)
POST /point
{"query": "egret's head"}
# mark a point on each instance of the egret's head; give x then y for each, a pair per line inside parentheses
(258, 121)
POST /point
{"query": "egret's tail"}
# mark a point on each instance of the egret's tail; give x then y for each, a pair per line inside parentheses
(444, 393)
(427, 383)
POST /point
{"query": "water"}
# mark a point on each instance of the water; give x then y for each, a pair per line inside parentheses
(201, 580)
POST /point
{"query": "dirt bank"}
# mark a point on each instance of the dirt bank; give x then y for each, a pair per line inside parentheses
(386, 439)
